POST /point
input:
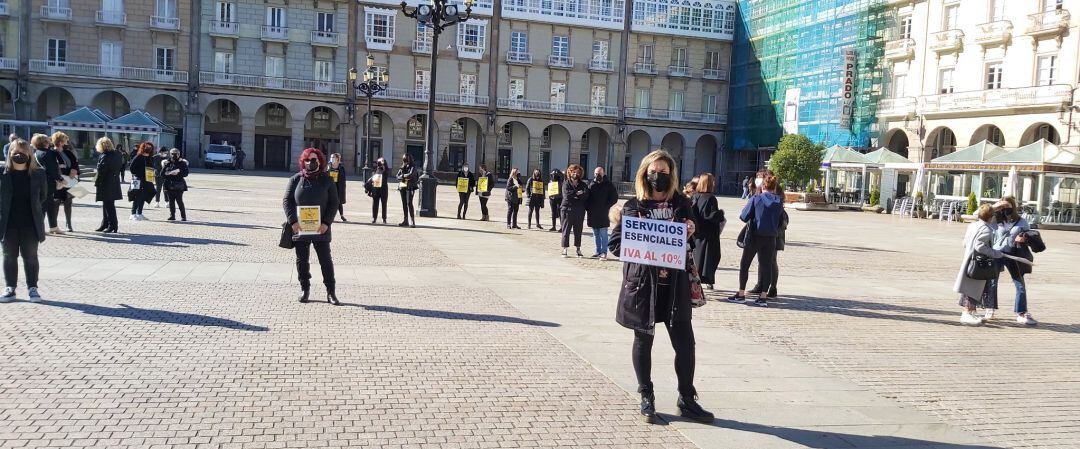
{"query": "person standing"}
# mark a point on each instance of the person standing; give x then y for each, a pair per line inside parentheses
(110, 165)
(159, 181)
(125, 157)
(602, 195)
(407, 185)
(142, 174)
(379, 189)
(7, 146)
(47, 158)
(781, 241)
(173, 171)
(71, 162)
(312, 186)
(1010, 237)
(68, 166)
(709, 222)
(575, 194)
(463, 197)
(979, 238)
(762, 215)
(514, 191)
(23, 189)
(240, 156)
(554, 195)
(651, 295)
(536, 197)
(484, 190)
(337, 174)
(745, 187)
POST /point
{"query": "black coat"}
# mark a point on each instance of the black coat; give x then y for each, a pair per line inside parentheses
(511, 195)
(159, 163)
(316, 192)
(490, 185)
(340, 182)
(637, 295)
(408, 174)
(174, 183)
(138, 167)
(574, 198)
(708, 218)
(38, 195)
(535, 199)
(49, 161)
(472, 181)
(107, 181)
(559, 178)
(74, 162)
(602, 195)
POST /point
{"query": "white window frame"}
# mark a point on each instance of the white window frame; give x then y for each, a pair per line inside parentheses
(274, 67)
(224, 62)
(601, 50)
(165, 8)
(324, 70)
(643, 100)
(950, 15)
(906, 23)
(424, 35)
(1052, 5)
(678, 57)
(519, 42)
(996, 11)
(56, 52)
(711, 104)
(677, 100)
(1046, 69)
(557, 96)
(324, 22)
(276, 17)
(712, 59)
(112, 57)
(225, 12)
(598, 98)
(383, 41)
(515, 92)
(993, 75)
(899, 85)
(164, 59)
(472, 39)
(560, 46)
(421, 83)
(467, 88)
(946, 80)
(646, 53)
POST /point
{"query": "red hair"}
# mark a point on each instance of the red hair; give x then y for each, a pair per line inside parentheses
(145, 149)
(306, 154)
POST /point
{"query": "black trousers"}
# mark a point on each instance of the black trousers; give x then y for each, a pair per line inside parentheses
(556, 205)
(407, 205)
(380, 197)
(303, 265)
(67, 209)
(463, 204)
(573, 220)
(775, 276)
(483, 206)
(511, 213)
(176, 198)
(534, 208)
(21, 241)
(159, 187)
(765, 250)
(682, 340)
(52, 209)
(137, 205)
(108, 214)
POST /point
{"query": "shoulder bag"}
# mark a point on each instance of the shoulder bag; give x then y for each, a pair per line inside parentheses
(746, 236)
(981, 267)
(286, 241)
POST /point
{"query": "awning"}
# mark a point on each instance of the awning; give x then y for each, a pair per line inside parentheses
(82, 119)
(883, 156)
(838, 156)
(980, 152)
(1041, 152)
(139, 122)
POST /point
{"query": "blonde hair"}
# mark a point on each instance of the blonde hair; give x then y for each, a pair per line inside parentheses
(40, 141)
(690, 187)
(706, 183)
(642, 189)
(104, 145)
(58, 137)
(985, 212)
(22, 145)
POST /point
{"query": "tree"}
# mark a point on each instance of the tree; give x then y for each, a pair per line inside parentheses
(797, 160)
(875, 196)
(973, 204)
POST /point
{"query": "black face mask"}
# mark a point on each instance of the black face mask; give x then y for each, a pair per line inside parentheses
(175, 157)
(1002, 215)
(660, 182)
(20, 158)
(598, 178)
(312, 165)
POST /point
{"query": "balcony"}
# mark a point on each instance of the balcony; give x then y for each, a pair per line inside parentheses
(470, 52)
(947, 41)
(275, 34)
(266, 82)
(379, 43)
(224, 29)
(558, 108)
(165, 23)
(601, 65)
(678, 71)
(644, 68)
(994, 33)
(324, 38)
(111, 18)
(715, 74)
(421, 95)
(590, 14)
(421, 47)
(900, 49)
(897, 107)
(676, 116)
(56, 13)
(518, 57)
(560, 62)
(1049, 23)
(9, 64)
(4, 9)
(1049, 98)
(101, 71)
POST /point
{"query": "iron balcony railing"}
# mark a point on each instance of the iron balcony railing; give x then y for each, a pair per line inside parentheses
(111, 18)
(518, 57)
(107, 71)
(677, 116)
(55, 12)
(221, 28)
(165, 23)
(421, 95)
(268, 82)
(557, 107)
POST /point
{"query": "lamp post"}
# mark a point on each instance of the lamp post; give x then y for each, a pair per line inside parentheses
(373, 84)
(438, 16)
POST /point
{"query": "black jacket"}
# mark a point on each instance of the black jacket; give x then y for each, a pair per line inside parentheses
(138, 167)
(159, 162)
(534, 198)
(602, 195)
(316, 192)
(707, 217)
(47, 159)
(174, 183)
(107, 180)
(74, 162)
(472, 180)
(556, 176)
(574, 198)
(511, 195)
(38, 195)
(490, 185)
(637, 295)
(409, 175)
(340, 182)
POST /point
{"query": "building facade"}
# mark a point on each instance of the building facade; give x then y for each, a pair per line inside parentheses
(964, 71)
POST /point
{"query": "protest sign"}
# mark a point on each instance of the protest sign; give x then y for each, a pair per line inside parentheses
(659, 243)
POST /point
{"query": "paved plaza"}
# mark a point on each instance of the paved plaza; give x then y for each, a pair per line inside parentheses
(463, 334)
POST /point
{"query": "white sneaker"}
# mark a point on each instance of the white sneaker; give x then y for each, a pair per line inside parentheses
(1026, 320)
(34, 295)
(133, 217)
(969, 319)
(9, 294)
(157, 205)
(141, 217)
(564, 254)
(989, 314)
(55, 231)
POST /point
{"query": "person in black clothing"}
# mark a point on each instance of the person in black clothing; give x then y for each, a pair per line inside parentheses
(514, 191)
(482, 193)
(575, 195)
(762, 214)
(652, 295)
(709, 222)
(337, 174)
(173, 171)
(536, 197)
(781, 239)
(463, 197)
(48, 160)
(125, 158)
(23, 188)
(555, 198)
(379, 189)
(110, 165)
(407, 184)
(602, 195)
(68, 166)
(312, 186)
(159, 181)
(142, 174)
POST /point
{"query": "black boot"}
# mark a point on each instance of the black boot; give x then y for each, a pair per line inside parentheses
(772, 293)
(690, 409)
(648, 407)
(331, 298)
(305, 292)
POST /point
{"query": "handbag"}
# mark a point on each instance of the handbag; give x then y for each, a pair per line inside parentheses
(746, 236)
(286, 241)
(697, 295)
(981, 267)
(133, 189)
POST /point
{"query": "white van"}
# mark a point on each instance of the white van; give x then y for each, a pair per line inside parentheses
(219, 155)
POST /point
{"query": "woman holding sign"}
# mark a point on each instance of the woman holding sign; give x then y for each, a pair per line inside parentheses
(466, 182)
(379, 191)
(337, 174)
(407, 177)
(514, 192)
(536, 197)
(143, 180)
(575, 195)
(653, 294)
(311, 202)
(484, 183)
(554, 194)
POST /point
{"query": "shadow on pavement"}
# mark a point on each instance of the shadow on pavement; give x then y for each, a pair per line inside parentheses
(827, 247)
(222, 225)
(155, 316)
(425, 313)
(153, 240)
(818, 439)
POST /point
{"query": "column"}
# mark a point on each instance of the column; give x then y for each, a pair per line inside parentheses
(689, 168)
(247, 139)
(193, 136)
(490, 153)
(399, 145)
(442, 153)
(619, 155)
(575, 156)
(349, 144)
(534, 157)
(296, 142)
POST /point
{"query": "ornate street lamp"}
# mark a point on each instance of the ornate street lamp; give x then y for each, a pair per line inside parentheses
(373, 83)
(438, 15)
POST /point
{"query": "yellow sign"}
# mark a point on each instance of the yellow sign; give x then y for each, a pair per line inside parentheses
(403, 185)
(309, 218)
(482, 184)
(553, 188)
(150, 175)
(537, 187)
(334, 175)
(462, 185)
(521, 193)
(376, 180)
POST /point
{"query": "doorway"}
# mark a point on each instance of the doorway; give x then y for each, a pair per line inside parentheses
(503, 167)
(272, 153)
(417, 153)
